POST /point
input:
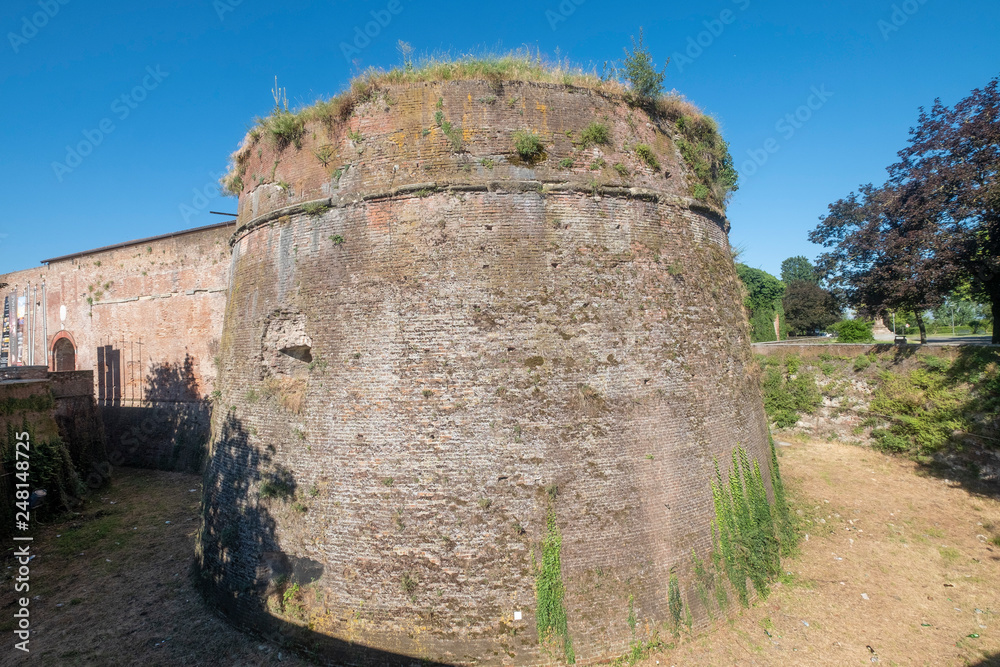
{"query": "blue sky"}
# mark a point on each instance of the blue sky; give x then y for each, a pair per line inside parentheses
(205, 69)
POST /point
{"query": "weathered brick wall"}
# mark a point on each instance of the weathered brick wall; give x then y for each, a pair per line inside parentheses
(414, 372)
(80, 425)
(50, 407)
(145, 318)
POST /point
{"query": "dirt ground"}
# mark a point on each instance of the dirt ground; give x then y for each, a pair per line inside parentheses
(899, 568)
(896, 560)
(113, 587)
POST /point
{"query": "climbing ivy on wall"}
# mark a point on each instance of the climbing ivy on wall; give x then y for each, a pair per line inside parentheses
(550, 614)
(752, 533)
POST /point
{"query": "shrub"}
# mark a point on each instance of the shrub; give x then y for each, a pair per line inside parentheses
(889, 442)
(853, 331)
(786, 398)
(707, 155)
(647, 83)
(284, 128)
(646, 154)
(528, 145)
(862, 362)
(595, 134)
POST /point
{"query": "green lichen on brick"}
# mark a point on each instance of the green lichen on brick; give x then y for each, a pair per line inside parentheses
(550, 614)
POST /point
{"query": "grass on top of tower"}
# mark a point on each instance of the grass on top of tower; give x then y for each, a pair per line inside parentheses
(703, 149)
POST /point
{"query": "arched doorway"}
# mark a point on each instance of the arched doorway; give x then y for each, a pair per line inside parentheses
(63, 355)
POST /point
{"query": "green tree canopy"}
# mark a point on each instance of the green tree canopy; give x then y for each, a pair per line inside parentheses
(763, 300)
(798, 268)
(763, 289)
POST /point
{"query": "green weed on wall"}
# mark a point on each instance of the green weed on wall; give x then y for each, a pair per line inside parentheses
(751, 532)
(550, 615)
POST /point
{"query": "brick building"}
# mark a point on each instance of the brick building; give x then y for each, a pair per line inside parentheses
(145, 316)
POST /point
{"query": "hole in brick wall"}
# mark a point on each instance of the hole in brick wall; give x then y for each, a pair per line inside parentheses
(300, 352)
(286, 350)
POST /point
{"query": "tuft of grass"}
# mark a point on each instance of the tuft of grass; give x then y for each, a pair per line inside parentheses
(487, 162)
(324, 154)
(621, 169)
(528, 145)
(598, 164)
(862, 362)
(566, 163)
(595, 134)
(647, 155)
(337, 239)
(283, 128)
(276, 486)
(314, 209)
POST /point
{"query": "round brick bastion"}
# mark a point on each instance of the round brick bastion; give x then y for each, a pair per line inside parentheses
(471, 400)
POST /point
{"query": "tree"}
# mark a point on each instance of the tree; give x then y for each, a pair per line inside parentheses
(889, 251)
(763, 301)
(647, 83)
(809, 308)
(953, 157)
(798, 268)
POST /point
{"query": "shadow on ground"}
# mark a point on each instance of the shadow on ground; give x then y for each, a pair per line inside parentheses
(240, 567)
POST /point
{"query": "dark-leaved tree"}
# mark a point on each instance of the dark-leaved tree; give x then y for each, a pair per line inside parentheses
(809, 308)
(889, 251)
(953, 158)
